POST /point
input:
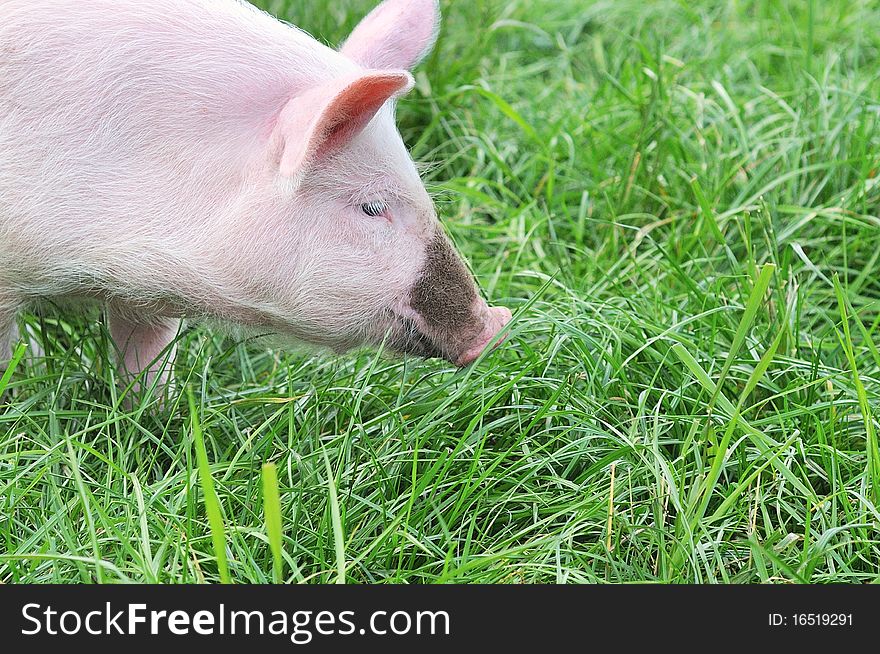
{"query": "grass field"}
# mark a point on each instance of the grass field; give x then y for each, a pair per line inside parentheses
(680, 202)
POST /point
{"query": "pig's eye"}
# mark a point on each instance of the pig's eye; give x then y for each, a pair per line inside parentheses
(374, 208)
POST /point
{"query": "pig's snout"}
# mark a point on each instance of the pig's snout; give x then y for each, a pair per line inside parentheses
(498, 318)
(449, 318)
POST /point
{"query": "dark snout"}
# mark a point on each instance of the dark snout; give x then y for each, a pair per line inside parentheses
(452, 320)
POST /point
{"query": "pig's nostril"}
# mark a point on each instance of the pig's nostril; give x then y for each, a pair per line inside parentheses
(498, 318)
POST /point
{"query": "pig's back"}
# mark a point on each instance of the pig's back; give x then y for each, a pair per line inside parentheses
(126, 125)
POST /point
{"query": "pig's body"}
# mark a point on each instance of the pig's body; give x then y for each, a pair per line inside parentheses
(142, 164)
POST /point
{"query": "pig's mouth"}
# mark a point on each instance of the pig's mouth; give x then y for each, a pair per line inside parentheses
(406, 337)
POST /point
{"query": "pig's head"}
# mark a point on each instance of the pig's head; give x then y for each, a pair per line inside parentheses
(365, 258)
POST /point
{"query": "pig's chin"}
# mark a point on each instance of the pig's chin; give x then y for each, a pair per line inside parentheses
(405, 338)
(462, 347)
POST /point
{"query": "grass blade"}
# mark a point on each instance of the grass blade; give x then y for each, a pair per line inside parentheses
(11, 366)
(336, 520)
(212, 503)
(873, 456)
(756, 297)
(272, 514)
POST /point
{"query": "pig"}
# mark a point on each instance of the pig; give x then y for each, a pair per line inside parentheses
(202, 160)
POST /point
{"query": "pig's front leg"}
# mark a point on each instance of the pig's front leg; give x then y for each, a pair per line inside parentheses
(142, 346)
(7, 334)
(8, 331)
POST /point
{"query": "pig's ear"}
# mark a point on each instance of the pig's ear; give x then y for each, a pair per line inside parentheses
(315, 124)
(396, 34)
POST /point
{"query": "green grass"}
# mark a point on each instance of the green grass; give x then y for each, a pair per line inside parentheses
(680, 202)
